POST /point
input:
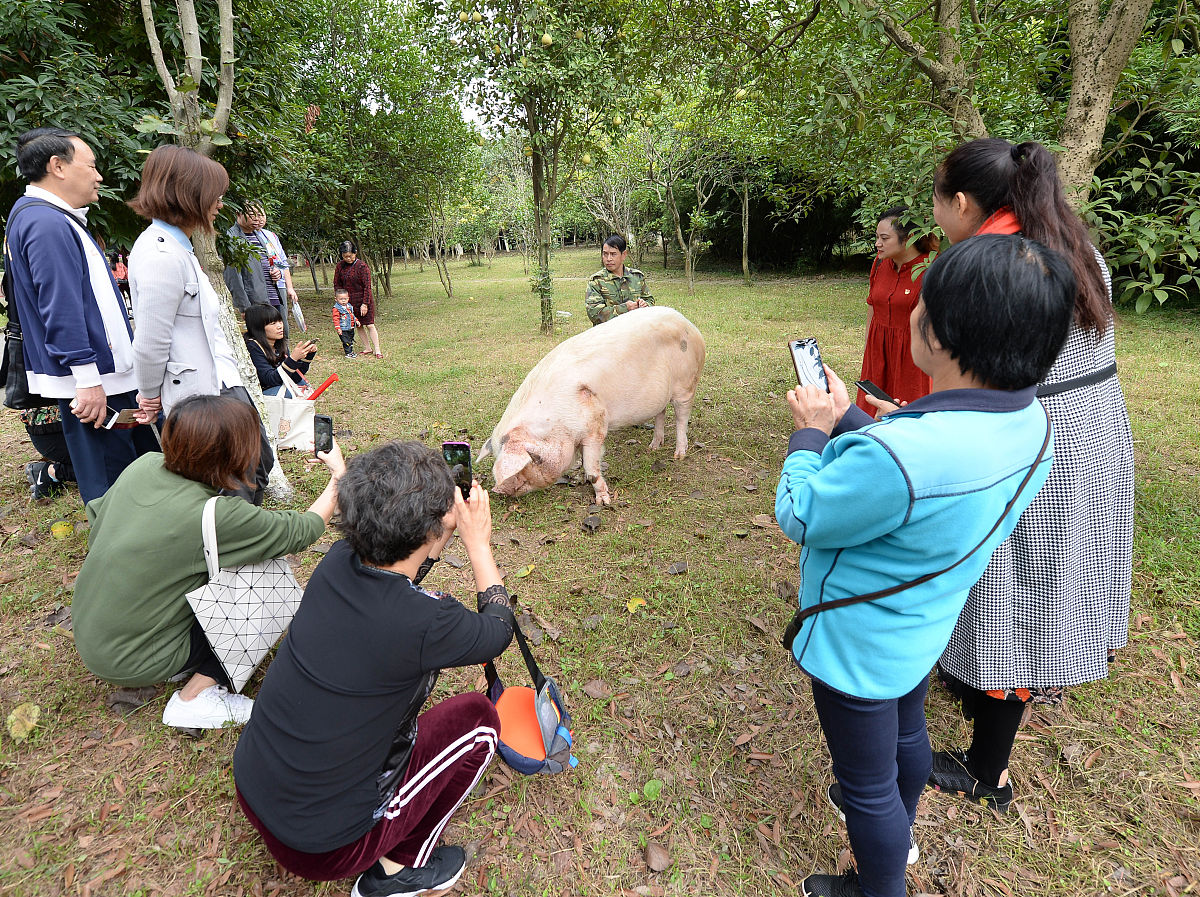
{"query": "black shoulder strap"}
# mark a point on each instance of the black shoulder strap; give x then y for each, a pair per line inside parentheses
(535, 672)
(803, 614)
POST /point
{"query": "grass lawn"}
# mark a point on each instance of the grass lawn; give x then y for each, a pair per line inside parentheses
(692, 728)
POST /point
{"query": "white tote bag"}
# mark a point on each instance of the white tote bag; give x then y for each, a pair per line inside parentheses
(243, 610)
(291, 417)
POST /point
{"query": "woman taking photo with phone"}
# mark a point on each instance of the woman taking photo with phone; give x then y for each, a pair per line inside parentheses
(269, 351)
(132, 622)
(894, 287)
(1053, 605)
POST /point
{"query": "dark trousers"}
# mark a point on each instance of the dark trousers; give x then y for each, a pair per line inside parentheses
(259, 474)
(202, 660)
(882, 760)
(53, 447)
(99, 456)
(456, 740)
(347, 337)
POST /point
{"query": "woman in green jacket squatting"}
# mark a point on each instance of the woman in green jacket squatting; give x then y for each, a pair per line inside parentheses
(132, 621)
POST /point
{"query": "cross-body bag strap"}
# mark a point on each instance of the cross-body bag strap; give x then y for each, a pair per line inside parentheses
(535, 672)
(793, 628)
(208, 526)
(1053, 389)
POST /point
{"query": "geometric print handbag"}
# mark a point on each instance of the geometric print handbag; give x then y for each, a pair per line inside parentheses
(245, 609)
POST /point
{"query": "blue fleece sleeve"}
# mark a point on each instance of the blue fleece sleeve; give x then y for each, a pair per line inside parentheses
(268, 376)
(55, 261)
(852, 492)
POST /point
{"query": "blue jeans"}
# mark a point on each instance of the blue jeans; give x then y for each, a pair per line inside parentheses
(882, 760)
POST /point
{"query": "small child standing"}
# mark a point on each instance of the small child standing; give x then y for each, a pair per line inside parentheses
(345, 321)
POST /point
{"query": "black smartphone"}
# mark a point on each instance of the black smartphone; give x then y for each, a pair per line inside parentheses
(810, 369)
(458, 457)
(322, 433)
(872, 390)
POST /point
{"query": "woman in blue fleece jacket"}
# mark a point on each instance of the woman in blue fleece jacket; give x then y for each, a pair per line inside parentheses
(881, 504)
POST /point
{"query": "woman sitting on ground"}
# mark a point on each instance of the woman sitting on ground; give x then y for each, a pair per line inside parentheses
(269, 351)
(903, 514)
(132, 621)
(336, 770)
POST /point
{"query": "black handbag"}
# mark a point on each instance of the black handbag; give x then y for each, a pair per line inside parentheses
(12, 365)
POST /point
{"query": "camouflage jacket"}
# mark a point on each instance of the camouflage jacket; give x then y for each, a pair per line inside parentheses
(607, 294)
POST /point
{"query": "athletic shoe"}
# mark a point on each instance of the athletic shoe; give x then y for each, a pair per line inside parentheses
(833, 794)
(41, 484)
(352, 355)
(213, 708)
(951, 773)
(831, 886)
(445, 865)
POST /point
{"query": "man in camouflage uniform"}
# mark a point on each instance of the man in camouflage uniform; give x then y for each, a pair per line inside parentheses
(616, 289)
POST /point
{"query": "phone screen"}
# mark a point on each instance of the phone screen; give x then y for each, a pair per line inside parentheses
(458, 457)
(322, 433)
(810, 370)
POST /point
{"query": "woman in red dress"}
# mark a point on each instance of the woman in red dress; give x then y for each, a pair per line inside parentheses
(894, 290)
(354, 276)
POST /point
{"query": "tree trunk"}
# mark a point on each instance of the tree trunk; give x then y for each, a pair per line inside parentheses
(312, 269)
(1100, 49)
(684, 245)
(541, 212)
(746, 231)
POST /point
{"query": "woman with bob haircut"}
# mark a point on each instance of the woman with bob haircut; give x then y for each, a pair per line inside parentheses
(339, 770)
(180, 349)
(269, 350)
(1052, 607)
(897, 519)
(132, 621)
(894, 287)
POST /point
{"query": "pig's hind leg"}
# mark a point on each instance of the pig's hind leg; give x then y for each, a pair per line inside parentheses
(683, 411)
(660, 430)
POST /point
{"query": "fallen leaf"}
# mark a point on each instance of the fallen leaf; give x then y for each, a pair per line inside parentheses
(742, 739)
(658, 467)
(678, 567)
(598, 689)
(635, 603)
(750, 487)
(591, 523)
(6, 577)
(23, 720)
(453, 561)
(757, 624)
(525, 571)
(763, 521)
(591, 623)
(320, 548)
(645, 523)
(741, 533)
(657, 857)
(681, 669)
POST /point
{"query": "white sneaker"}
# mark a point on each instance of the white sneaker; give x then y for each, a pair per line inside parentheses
(213, 708)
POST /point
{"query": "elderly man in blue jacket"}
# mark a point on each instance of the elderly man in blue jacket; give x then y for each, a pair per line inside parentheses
(77, 339)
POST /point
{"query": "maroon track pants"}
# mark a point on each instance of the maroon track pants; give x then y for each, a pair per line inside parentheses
(456, 740)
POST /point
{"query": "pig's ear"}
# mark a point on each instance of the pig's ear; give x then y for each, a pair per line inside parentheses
(509, 463)
(486, 450)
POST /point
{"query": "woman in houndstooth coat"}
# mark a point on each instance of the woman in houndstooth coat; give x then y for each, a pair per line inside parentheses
(1053, 605)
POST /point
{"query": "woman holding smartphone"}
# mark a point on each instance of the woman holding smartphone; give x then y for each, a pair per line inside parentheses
(269, 351)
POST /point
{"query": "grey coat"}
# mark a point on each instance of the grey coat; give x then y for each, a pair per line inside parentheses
(247, 285)
(173, 344)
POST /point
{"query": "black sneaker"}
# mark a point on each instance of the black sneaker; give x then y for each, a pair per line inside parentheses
(833, 794)
(951, 773)
(445, 865)
(831, 886)
(41, 484)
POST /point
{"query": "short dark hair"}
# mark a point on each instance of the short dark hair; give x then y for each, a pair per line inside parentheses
(213, 440)
(257, 318)
(1001, 305)
(392, 500)
(340, 291)
(347, 246)
(617, 242)
(35, 149)
(179, 186)
(898, 215)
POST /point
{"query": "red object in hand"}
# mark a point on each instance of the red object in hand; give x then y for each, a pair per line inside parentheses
(331, 379)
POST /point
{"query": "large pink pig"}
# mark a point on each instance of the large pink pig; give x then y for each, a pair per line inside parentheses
(619, 373)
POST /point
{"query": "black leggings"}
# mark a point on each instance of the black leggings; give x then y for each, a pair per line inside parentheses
(995, 730)
(201, 658)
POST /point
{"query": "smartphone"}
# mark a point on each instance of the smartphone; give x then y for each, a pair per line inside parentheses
(322, 433)
(810, 369)
(871, 389)
(122, 419)
(458, 456)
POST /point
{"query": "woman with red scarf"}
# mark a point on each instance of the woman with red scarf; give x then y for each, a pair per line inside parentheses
(893, 293)
(1053, 605)
(353, 275)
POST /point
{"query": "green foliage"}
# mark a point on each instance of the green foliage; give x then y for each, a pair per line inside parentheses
(1149, 215)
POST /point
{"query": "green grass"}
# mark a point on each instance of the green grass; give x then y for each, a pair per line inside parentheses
(1102, 808)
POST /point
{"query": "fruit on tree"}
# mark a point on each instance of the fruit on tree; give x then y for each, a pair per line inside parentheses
(476, 16)
(547, 40)
(462, 17)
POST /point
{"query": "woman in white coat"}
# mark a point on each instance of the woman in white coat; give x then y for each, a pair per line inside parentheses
(179, 347)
